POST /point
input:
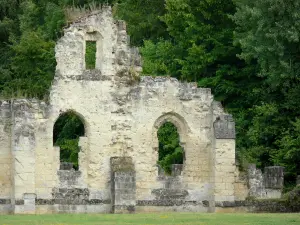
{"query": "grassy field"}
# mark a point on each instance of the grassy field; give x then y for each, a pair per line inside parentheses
(164, 218)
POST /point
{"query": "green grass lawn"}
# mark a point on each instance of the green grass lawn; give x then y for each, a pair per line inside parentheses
(160, 218)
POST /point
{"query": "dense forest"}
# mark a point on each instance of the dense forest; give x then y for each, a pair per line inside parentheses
(246, 51)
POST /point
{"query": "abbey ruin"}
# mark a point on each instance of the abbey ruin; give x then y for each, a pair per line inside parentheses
(121, 112)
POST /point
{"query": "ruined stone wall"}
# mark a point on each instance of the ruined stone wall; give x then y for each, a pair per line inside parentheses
(121, 113)
(224, 155)
(265, 185)
(241, 190)
(160, 100)
(6, 183)
(26, 117)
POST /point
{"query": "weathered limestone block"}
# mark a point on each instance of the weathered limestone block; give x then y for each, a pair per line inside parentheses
(173, 182)
(273, 181)
(69, 178)
(29, 203)
(83, 158)
(273, 177)
(121, 164)
(124, 192)
(267, 185)
(176, 169)
(66, 166)
(23, 146)
(5, 151)
(256, 184)
(5, 107)
(224, 127)
(71, 196)
(170, 194)
(241, 190)
(123, 185)
(224, 171)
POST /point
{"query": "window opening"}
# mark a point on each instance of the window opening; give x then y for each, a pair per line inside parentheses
(66, 132)
(170, 152)
(90, 54)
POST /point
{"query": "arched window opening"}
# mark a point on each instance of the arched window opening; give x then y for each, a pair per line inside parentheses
(170, 152)
(66, 132)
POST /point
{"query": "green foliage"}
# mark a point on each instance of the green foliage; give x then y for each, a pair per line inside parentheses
(268, 33)
(32, 65)
(271, 36)
(289, 154)
(170, 152)
(28, 64)
(292, 199)
(158, 58)
(54, 20)
(8, 15)
(69, 151)
(66, 132)
(90, 55)
(142, 17)
(200, 39)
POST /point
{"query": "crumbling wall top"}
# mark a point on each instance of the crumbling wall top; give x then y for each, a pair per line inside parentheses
(113, 53)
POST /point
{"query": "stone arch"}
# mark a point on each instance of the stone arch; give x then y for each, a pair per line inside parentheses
(81, 116)
(182, 130)
(177, 120)
(80, 134)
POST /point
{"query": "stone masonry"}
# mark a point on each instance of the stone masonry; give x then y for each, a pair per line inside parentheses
(265, 185)
(121, 112)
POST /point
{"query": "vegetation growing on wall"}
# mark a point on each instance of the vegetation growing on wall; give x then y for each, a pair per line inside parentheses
(247, 51)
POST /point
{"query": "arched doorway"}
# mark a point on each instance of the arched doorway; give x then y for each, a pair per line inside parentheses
(169, 149)
(66, 132)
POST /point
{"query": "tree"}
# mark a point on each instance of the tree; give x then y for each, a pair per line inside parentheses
(200, 40)
(143, 19)
(28, 65)
(268, 32)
